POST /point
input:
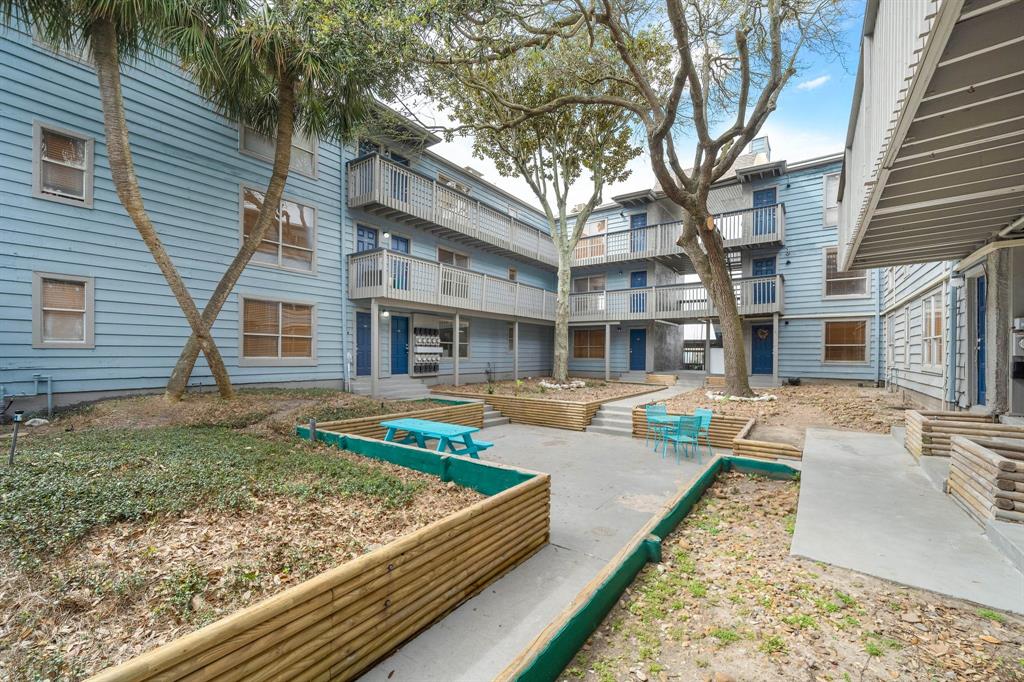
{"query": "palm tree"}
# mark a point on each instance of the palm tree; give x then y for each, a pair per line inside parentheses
(116, 32)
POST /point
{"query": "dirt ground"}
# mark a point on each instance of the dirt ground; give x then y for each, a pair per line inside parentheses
(729, 604)
(596, 389)
(784, 420)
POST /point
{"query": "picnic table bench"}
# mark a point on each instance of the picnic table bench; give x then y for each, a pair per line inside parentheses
(449, 436)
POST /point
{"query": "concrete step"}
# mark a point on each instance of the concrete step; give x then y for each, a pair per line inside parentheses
(624, 410)
(610, 431)
(612, 421)
(495, 421)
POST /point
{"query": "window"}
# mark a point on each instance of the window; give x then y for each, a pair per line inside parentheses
(447, 334)
(588, 343)
(831, 218)
(851, 283)
(582, 285)
(290, 241)
(366, 147)
(513, 275)
(511, 338)
(451, 182)
(303, 150)
(447, 257)
(595, 228)
(278, 331)
(846, 341)
(931, 332)
(62, 166)
(62, 311)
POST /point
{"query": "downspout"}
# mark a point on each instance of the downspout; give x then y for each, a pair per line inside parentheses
(879, 334)
(951, 329)
(346, 383)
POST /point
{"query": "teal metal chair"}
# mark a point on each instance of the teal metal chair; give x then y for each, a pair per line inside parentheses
(705, 426)
(685, 431)
(655, 430)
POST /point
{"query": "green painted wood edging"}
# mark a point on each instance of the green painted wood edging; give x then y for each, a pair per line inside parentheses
(551, 660)
(487, 478)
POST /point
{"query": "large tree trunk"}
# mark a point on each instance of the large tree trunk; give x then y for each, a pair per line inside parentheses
(122, 171)
(713, 269)
(560, 364)
(178, 382)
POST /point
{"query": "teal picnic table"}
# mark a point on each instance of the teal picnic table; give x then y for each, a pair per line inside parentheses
(449, 436)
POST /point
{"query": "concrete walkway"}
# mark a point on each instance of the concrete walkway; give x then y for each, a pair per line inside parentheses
(865, 504)
(603, 489)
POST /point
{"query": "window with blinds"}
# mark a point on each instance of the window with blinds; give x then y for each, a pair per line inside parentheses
(932, 346)
(846, 341)
(290, 242)
(841, 284)
(61, 315)
(831, 200)
(588, 343)
(63, 166)
(276, 330)
(303, 159)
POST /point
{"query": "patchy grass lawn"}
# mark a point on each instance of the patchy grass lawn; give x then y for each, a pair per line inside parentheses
(595, 389)
(729, 603)
(114, 540)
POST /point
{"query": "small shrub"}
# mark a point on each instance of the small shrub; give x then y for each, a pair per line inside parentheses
(725, 635)
(994, 616)
(773, 645)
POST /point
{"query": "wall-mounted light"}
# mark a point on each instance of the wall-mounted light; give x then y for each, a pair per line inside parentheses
(956, 281)
(387, 237)
(385, 314)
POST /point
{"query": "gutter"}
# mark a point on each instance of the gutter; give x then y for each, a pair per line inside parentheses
(951, 331)
(879, 335)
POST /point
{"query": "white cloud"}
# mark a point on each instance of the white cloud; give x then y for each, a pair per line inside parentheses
(814, 83)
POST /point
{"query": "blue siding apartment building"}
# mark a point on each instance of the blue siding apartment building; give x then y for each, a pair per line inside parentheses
(382, 245)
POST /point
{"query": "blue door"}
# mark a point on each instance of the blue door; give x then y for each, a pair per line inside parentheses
(761, 349)
(982, 300)
(764, 292)
(764, 211)
(637, 233)
(637, 350)
(363, 349)
(366, 238)
(399, 345)
(638, 299)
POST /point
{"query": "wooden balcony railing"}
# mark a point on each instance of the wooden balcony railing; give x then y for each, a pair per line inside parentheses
(375, 180)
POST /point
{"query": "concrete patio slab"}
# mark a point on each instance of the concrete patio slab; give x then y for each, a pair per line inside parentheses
(866, 505)
(603, 489)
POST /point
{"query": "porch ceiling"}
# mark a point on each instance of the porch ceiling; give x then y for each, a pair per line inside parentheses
(957, 177)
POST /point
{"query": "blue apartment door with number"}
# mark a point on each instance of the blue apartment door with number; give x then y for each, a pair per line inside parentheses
(399, 345)
(764, 292)
(638, 299)
(764, 211)
(980, 312)
(363, 349)
(366, 238)
(761, 349)
(637, 350)
(637, 232)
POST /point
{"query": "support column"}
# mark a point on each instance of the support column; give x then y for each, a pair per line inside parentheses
(775, 348)
(707, 347)
(607, 352)
(374, 346)
(515, 350)
(455, 350)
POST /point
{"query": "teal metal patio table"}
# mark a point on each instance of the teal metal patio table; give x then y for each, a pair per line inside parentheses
(449, 436)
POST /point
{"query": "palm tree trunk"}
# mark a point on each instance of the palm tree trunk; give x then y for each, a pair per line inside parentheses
(268, 214)
(560, 366)
(122, 171)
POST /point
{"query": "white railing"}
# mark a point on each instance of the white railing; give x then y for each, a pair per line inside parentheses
(754, 296)
(396, 276)
(889, 58)
(749, 227)
(374, 180)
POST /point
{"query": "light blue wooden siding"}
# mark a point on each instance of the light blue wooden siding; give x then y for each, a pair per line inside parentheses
(619, 353)
(190, 170)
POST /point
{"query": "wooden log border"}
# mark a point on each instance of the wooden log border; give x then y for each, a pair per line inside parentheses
(455, 412)
(558, 414)
(983, 478)
(546, 657)
(929, 433)
(341, 622)
(729, 431)
(662, 379)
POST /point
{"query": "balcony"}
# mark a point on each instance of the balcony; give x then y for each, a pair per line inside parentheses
(754, 296)
(764, 226)
(386, 188)
(397, 277)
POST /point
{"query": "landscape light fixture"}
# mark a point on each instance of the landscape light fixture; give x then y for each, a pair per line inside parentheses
(19, 416)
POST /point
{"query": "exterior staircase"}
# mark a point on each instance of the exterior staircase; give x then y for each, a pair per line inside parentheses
(397, 387)
(492, 417)
(613, 420)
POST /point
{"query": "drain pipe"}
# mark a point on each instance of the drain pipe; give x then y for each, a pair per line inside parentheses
(879, 335)
(955, 282)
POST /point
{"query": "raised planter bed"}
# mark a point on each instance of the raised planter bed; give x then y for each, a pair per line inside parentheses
(930, 433)
(762, 449)
(662, 379)
(340, 623)
(987, 478)
(724, 428)
(455, 412)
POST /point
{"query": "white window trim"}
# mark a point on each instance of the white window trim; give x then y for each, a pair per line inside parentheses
(437, 257)
(89, 171)
(930, 367)
(468, 342)
(37, 311)
(401, 235)
(867, 342)
(510, 333)
(824, 280)
(824, 201)
(269, 159)
(274, 362)
(316, 232)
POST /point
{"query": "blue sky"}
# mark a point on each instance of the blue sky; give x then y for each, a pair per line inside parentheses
(810, 119)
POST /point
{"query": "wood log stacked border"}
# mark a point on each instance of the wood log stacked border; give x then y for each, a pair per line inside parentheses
(341, 622)
(987, 478)
(724, 428)
(929, 433)
(466, 414)
(662, 379)
(558, 414)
